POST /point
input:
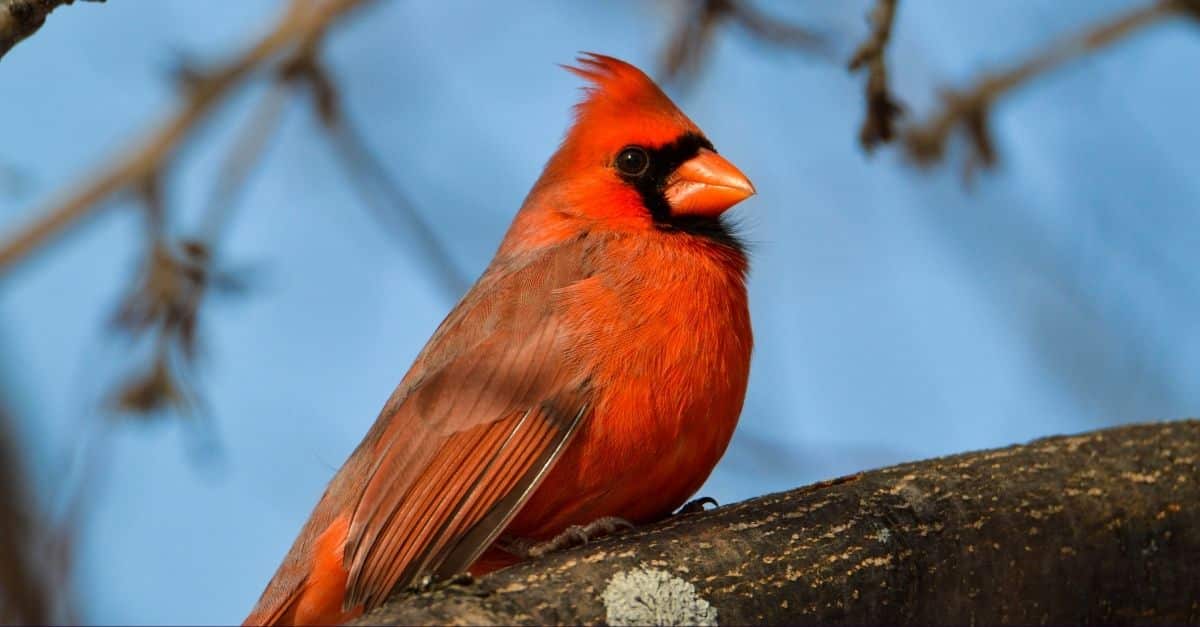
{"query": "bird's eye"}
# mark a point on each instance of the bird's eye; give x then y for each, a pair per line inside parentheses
(633, 161)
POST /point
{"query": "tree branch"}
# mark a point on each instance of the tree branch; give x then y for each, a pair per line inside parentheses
(32, 588)
(1102, 527)
(968, 109)
(878, 125)
(302, 23)
(689, 44)
(22, 18)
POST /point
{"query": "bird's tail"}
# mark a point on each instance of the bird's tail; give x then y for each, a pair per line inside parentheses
(309, 591)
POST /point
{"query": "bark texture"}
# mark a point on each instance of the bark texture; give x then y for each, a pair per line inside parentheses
(1102, 527)
(21, 18)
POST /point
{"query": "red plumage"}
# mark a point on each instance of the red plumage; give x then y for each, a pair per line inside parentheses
(597, 368)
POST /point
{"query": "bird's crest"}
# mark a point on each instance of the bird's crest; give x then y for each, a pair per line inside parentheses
(620, 95)
(613, 79)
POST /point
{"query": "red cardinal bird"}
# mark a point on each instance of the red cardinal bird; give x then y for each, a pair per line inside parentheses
(596, 369)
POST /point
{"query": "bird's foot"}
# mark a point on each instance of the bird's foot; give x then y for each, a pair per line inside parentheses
(428, 583)
(696, 506)
(573, 536)
(577, 535)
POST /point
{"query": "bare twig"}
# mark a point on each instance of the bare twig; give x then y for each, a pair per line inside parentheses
(246, 153)
(178, 276)
(22, 18)
(968, 109)
(689, 44)
(393, 209)
(773, 30)
(379, 191)
(882, 107)
(304, 21)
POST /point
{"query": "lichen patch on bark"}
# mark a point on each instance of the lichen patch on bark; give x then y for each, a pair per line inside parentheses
(650, 596)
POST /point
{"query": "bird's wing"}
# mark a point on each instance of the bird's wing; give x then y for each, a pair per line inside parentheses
(478, 422)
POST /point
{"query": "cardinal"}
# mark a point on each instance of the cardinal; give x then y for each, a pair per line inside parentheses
(594, 374)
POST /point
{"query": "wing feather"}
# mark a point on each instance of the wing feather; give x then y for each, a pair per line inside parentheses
(452, 491)
(491, 522)
(471, 431)
(425, 501)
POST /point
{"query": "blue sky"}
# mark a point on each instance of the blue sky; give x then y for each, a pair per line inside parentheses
(899, 314)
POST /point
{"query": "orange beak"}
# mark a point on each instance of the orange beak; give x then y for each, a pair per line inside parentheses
(706, 185)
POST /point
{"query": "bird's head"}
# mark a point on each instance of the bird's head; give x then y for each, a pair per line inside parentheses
(633, 158)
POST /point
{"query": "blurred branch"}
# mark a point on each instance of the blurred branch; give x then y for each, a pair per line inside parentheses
(370, 177)
(302, 22)
(689, 44)
(165, 301)
(968, 109)
(247, 152)
(29, 592)
(21, 18)
(177, 276)
(393, 209)
(878, 126)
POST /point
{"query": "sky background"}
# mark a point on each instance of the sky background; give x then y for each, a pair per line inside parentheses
(899, 314)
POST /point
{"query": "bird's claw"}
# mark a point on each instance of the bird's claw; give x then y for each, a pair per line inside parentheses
(573, 536)
(696, 506)
(428, 583)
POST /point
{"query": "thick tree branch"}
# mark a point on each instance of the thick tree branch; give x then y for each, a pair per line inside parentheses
(21, 18)
(968, 109)
(303, 22)
(1102, 527)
